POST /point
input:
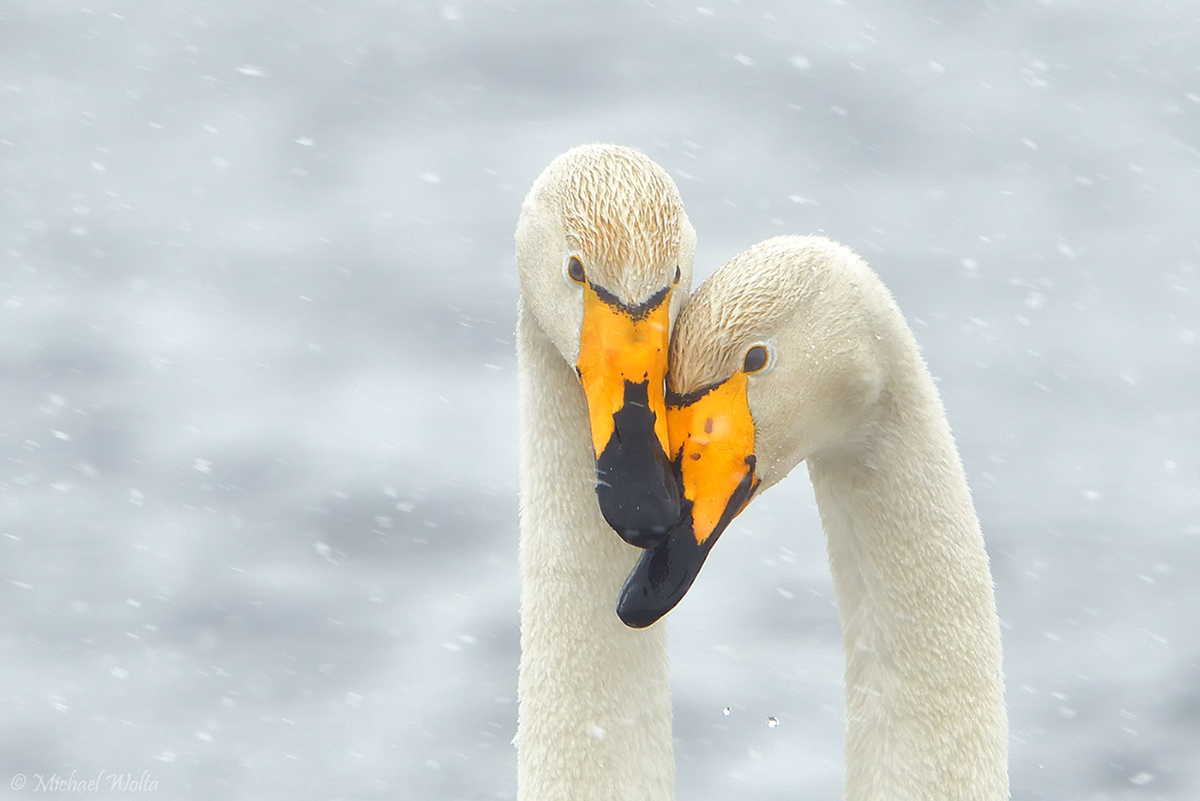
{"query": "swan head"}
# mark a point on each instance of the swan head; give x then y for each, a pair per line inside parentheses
(778, 356)
(604, 257)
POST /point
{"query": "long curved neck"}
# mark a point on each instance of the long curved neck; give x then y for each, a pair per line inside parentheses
(594, 714)
(925, 716)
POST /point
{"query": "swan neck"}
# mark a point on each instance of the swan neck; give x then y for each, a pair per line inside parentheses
(594, 710)
(925, 716)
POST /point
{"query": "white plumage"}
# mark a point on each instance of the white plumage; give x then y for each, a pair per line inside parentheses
(594, 719)
(849, 393)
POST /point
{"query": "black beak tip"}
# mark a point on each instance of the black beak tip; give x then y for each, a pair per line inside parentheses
(636, 613)
(665, 571)
(662, 576)
(636, 485)
(644, 537)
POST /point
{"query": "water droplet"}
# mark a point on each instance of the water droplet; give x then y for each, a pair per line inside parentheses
(727, 711)
(772, 721)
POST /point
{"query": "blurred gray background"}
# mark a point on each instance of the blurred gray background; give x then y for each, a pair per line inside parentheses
(258, 496)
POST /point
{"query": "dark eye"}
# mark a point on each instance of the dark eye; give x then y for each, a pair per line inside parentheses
(575, 270)
(678, 274)
(756, 359)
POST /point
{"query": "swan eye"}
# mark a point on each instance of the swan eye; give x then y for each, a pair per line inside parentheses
(678, 273)
(756, 359)
(575, 270)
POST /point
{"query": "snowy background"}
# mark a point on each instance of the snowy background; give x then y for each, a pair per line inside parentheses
(258, 420)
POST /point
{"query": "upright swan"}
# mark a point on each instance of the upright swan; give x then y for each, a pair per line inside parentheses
(795, 351)
(604, 254)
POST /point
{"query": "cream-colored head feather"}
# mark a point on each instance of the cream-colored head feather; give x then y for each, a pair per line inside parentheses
(825, 319)
(622, 215)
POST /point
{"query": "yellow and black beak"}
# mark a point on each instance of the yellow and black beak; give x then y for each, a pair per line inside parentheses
(622, 365)
(712, 440)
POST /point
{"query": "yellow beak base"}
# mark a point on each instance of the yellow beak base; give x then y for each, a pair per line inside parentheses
(712, 438)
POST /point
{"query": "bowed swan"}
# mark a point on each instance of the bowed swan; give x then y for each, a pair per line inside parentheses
(604, 257)
(795, 351)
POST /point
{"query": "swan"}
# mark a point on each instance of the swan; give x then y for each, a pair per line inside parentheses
(795, 351)
(604, 259)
